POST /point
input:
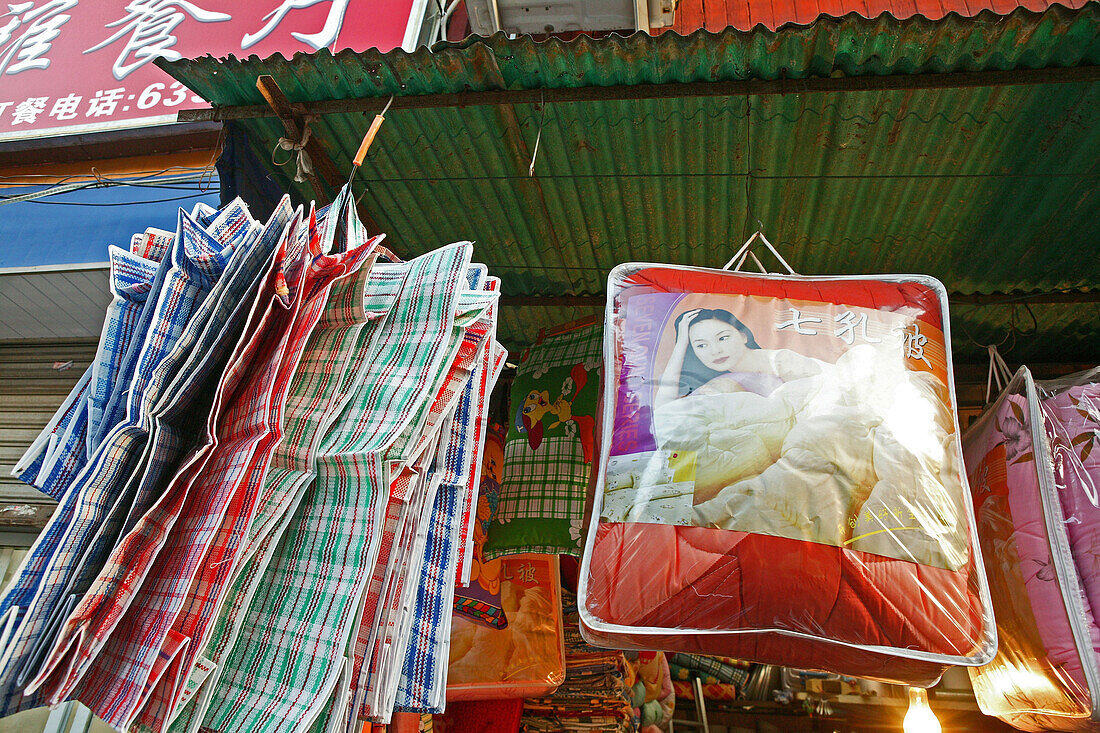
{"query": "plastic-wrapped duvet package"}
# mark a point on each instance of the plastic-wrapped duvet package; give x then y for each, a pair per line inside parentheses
(1045, 675)
(550, 448)
(781, 476)
(527, 657)
(1071, 412)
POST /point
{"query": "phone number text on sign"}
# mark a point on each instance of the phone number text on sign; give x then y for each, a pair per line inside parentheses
(104, 103)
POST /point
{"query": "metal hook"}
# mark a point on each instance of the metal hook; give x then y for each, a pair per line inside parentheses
(1034, 320)
(739, 256)
(364, 146)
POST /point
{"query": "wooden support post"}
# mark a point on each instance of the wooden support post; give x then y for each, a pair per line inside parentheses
(294, 125)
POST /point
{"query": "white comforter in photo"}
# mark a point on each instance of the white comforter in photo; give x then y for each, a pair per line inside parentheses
(861, 455)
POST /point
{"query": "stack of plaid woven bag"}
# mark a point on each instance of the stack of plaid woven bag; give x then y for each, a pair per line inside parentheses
(264, 482)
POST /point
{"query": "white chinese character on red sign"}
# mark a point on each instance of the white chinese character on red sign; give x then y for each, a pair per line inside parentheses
(28, 35)
(65, 107)
(149, 24)
(28, 110)
(799, 322)
(104, 102)
(325, 37)
(849, 323)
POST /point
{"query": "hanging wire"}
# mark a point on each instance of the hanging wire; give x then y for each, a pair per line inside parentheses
(749, 170)
(1009, 338)
(116, 203)
(750, 215)
(208, 174)
(1034, 320)
(134, 178)
(538, 137)
(147, 179)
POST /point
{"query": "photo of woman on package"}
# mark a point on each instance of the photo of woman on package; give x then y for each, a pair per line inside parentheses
(714, 351)
(762, 428)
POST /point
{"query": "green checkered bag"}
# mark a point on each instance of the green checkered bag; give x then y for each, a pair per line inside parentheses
(550, 448)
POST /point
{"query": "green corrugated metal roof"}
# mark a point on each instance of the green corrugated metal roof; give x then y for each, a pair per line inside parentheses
(990, 189)
(852, 45)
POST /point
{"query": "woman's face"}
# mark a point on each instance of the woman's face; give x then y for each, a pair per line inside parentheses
(717, 344)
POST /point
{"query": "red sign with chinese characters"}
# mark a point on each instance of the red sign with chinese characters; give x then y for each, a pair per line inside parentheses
(81, 65)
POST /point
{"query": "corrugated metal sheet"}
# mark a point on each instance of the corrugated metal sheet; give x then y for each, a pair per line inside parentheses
(1028, 334)
(714, 15)
(852, 45)
(989, 189)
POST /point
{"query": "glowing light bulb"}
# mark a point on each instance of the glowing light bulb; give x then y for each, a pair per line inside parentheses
(919, 718)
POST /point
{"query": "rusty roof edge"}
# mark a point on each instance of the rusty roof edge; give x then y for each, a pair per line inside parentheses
(459, 68)
(985, 15)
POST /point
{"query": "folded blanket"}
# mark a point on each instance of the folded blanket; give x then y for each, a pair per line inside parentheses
(549, 449)
(712, 667)
(722, 691)
(523, 659)
(1045, 672)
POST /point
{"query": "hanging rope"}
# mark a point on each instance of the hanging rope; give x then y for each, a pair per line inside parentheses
(304, 162)
(999, 373)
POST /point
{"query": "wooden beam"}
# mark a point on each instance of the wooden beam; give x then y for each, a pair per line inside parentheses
(1050, 298)
(294, 125)
(975, 299)
(673, 90)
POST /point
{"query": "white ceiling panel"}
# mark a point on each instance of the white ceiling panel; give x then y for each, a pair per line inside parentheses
(53, 303)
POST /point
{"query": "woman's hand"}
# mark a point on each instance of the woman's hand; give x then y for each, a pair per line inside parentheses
(685, 326)
(668, 384)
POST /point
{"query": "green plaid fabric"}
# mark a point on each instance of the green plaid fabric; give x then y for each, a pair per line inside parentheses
(547, 465)
(555, 469)
(289, 655)
(326, 378)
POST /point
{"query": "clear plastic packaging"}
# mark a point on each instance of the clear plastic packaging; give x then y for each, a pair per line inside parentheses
(549, 449)
(1071, 415)
(781, 476)
(527, 657)
(1045, 674)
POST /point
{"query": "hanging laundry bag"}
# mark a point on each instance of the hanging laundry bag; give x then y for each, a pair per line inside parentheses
(525, 659)
(1046, 673)
(781, 476)
(550, 447)
(277, 426)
